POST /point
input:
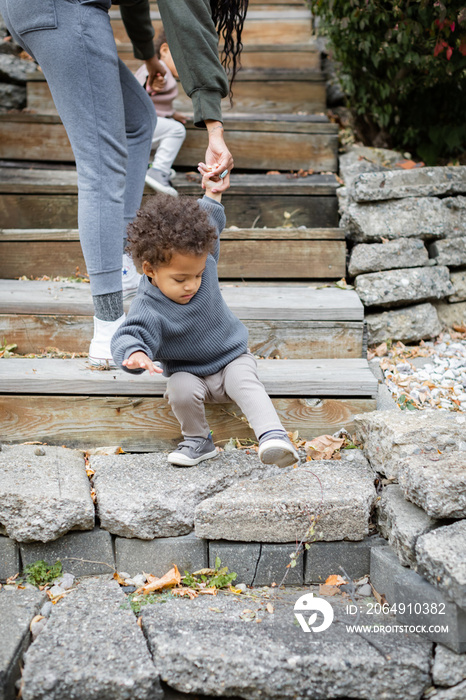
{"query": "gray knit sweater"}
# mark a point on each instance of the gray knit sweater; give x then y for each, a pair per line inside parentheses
(200, 337)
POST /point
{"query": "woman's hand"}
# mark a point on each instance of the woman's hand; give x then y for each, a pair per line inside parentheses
(217, 158)
(155, 80)
(139, 360)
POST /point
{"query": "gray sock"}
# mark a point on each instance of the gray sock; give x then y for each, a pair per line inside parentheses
(108, 307)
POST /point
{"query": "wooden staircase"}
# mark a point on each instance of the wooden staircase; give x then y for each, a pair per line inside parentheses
(281, 255)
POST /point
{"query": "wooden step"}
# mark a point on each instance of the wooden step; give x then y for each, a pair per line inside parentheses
(263, 91)
(304, 56)
(47, 198)
(65, 402)
(275, 26)
(246, 253)
(295, 322)
(278, 142)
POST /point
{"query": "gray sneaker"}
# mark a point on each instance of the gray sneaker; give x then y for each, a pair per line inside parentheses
(160, 181)
(276, 447)
(193, 450)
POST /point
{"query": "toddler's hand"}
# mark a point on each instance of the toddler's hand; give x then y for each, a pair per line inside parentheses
(139, 360)
(179, 117)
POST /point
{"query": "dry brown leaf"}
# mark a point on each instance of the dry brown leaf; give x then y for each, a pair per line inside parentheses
(379, 598)
(139, 621)
(335, 580)
(182, 592)
(323, 447)
(119, 580)
(269, 607)
(208, 591)
(328, 590)
(381, 350)
(35, 619)
(170, 579)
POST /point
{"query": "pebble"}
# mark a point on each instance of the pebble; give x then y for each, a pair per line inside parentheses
(37, 626)
(440, 383)
(39, 451)
(66, 581)
(242, 587)
(46, 609)
(138, 580)
(365, 589)
(129, 589)
(123, 575)
(56, 591)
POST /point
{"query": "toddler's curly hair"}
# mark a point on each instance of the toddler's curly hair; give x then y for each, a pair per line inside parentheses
(165, 225)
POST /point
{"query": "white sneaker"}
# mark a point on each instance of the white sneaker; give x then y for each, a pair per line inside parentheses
(160, 181)
(99, 350)
(172, 174)
(130, 277)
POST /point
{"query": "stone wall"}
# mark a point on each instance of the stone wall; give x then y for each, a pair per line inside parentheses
(406, 234)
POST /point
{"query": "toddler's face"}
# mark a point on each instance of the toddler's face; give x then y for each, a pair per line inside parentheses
(166, 56)
(181, 278)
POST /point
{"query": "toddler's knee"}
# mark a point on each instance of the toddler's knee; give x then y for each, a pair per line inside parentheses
(179, 130)
(182, 389)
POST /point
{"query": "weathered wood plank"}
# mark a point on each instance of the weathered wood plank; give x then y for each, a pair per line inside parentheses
(42, 210)
(287, 339)
(146, 423)
(234, 234)
(281, 27)
(64, 181)
(332, 377)
(296, 303)
(239, 259)
(255, 145)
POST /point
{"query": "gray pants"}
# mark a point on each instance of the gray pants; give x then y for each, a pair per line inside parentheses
(108, 116)
(238, 382)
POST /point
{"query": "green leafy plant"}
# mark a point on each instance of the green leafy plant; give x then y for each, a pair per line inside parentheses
(40, 573)
(402, 66)
(6, 348)
(404, 402)
(217, 577)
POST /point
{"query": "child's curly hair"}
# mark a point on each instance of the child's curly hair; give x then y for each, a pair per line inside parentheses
(165, 225)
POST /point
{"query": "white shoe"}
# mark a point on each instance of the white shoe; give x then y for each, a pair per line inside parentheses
(130, 277)
(160, 182)
(172, 174)
(99, 350)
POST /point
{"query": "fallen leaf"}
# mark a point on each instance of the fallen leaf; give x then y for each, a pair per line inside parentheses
(273, 172)
(335, 580)
(217, 610)
(323, 447)
(379, 598)
(119, 580)
(269, 607)
(35, 619)
(170, 579)
(328, 590)
(381, 350)
(189, 592)
(139, 621)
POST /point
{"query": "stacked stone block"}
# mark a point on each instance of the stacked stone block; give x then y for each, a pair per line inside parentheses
(407, 232)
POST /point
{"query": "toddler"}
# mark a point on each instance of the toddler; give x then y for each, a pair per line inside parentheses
(180, 319)
(169, 132)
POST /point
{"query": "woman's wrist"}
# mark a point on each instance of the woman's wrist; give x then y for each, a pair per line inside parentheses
(214, 128)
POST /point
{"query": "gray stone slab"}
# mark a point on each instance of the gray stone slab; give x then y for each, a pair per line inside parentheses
(43, 496)
(9, 558)
(17, 608)
(142, 496)
(384, 566)
(91, 649)
(372, 257)
(436, 483)
(157, 556)
(409, 324)
(404, 286)
(391, 436)
(401, 523)
(12, 97)
(15, 70)
(419, 182)
(428, 218)
(81, 553)
(325, 558)
(451, 252)
(448, 668)
(458, 280)
(450, 314)
(456, 693)
(441, 558)
(279, 509)
(273, 563)
(429, 611)
(200, 650)
(240, 557)
(362, 159)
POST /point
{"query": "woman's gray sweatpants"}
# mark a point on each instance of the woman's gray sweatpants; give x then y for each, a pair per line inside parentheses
(108, 116)
(238, 382)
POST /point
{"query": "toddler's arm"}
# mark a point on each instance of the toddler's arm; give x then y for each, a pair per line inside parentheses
(210, 188)
(139, 360)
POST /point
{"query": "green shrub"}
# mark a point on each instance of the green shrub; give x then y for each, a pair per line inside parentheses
(402, 65)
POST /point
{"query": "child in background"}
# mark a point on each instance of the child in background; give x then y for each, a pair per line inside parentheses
(180, 319)
(169, 132)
